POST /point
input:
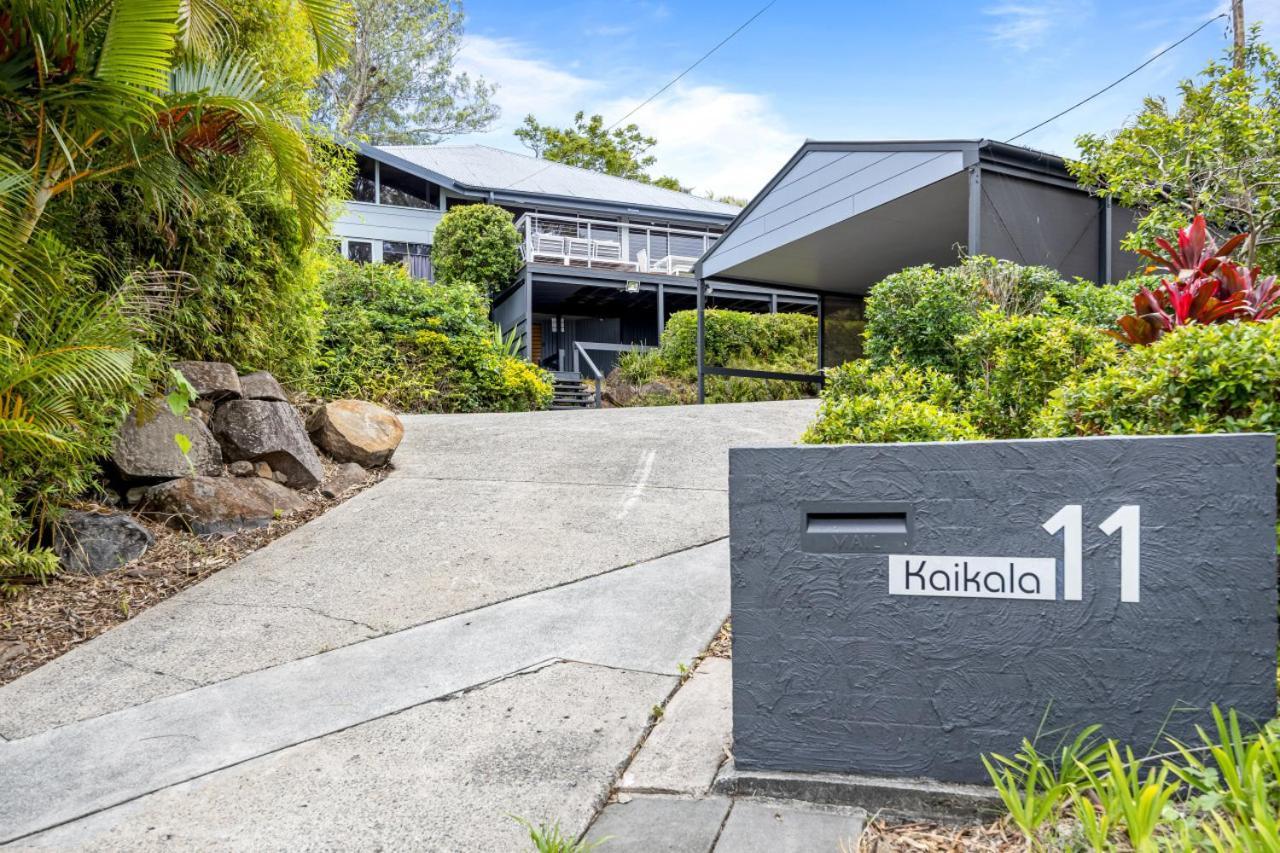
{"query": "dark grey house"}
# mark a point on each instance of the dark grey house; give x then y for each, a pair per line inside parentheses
(606, 260)
(840, 216)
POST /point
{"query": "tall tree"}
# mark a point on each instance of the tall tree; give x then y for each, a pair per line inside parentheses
(1216, 154)
(622, 152)
(400, 84)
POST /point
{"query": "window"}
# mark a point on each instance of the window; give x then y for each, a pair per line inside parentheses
(405, 190)
(360, 251)
(416, 255)
(364, 186)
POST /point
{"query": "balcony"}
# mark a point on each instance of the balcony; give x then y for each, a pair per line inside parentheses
(600, 244)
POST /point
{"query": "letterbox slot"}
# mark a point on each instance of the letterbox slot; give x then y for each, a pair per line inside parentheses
(856, 523)
(856, 527)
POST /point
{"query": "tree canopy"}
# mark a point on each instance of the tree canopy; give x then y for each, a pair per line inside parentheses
(400, 84)
(622, 152)
(1216, 154)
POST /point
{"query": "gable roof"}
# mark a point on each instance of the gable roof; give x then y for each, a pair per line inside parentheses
(485, 170)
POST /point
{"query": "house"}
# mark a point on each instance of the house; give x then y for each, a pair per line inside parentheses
(605, 260)
(840, 216)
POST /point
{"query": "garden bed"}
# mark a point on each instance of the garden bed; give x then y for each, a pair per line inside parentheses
(47, 620)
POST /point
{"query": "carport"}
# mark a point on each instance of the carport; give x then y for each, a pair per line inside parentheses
(841, 216)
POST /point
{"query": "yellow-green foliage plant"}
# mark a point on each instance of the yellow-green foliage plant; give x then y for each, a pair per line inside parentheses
(863, 403)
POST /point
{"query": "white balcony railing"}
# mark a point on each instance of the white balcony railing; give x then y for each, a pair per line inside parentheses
(600, 244)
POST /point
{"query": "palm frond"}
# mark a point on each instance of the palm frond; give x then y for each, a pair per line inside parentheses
(203, 26)
(330, 22)
(139, 44)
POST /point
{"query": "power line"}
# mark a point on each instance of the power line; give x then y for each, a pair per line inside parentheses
(670, 83)
(701, 59)
(1112, 85)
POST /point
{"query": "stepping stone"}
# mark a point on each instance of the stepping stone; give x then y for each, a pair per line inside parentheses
(791, 827)
(687, 746)
(660, 824)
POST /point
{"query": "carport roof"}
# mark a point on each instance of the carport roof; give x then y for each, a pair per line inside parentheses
(841, 214)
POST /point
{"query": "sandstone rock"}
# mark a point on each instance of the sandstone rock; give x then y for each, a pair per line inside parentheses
(356, 431)
(346, 476)
(271, 432)
(145, 449)
(95, 543)
(263, 470)
(656, 389)
(262, 386)
(220, 505)
(241, 468)
(213, 380)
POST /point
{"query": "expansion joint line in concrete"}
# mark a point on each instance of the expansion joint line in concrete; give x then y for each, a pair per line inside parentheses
(406, 475)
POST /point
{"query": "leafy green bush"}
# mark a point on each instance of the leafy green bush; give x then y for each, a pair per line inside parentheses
(1094, 304)
(786, 342)
(476, 244)
(864, 403)
(637, 367)
(416, 346)
(918, 314)
(1010, 365)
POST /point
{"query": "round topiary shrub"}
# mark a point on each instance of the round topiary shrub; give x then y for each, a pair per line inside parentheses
(476, 244)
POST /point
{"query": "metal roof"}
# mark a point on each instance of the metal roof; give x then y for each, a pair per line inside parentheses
(485, 169)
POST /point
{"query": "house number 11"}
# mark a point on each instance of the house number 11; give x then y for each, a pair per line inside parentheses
(1126, 520)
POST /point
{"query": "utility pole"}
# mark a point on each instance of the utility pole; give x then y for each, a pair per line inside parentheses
(1237, 32)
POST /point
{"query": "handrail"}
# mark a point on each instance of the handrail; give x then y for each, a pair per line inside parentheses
(595, 371)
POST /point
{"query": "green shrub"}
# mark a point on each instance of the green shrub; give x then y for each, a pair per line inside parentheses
(1010, 366)
(863, 403)
(785, 342)
(416, 346)
(1093, 304)
(636, 367)
(476, 244)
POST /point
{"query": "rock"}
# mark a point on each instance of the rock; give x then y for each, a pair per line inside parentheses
(346, 476)
(271, 432)
(95, 543)
(145, 448)
(280, 478)
(134, 496)
(656, 389)
(356, 431)
(262, 386)
(213, 380)
(263, 470)
(241, 468)
(219, 505)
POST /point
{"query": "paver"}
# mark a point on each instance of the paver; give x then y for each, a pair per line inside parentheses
(687, 746)
(660, 824)
(756, 826)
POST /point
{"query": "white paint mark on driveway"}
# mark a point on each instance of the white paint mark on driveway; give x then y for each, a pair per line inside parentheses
(641, 479)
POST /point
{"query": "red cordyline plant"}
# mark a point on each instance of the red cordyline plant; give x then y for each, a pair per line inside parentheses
(1206, 287)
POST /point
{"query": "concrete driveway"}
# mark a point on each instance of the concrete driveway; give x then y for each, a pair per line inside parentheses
(481, 635)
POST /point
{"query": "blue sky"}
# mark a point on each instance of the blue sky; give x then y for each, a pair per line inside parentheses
(823, 69)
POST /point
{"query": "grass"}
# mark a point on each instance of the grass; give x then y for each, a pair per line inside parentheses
(549, 838)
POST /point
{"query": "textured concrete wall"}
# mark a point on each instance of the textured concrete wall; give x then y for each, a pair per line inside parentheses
(832, 673)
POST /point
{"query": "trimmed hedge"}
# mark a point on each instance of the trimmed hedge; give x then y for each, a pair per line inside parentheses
(476, 244)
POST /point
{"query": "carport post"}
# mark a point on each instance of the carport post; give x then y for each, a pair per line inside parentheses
(528, 315)
(702, 308)
(822, 316)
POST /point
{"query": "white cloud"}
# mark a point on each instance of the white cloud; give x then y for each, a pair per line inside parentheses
(1026, 25)
(709, 137)
(526, 83)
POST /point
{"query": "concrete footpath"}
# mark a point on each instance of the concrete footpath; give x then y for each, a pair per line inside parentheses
(483, 635)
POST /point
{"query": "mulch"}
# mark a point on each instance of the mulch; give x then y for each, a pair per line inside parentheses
(882, 836)
(47, 620)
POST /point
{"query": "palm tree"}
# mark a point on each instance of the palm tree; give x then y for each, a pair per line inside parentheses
(132, 90)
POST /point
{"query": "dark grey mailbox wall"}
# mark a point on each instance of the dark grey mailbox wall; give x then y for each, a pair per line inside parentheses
(987, 632)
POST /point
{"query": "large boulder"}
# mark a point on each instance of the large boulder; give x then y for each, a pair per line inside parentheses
(262, 386)
(219, 505)
(271, 432)
(356, 431)
(145, 447)
(213, 380)
(95, 543)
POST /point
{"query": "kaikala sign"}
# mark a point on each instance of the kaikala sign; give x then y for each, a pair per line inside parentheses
(1024, 577)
